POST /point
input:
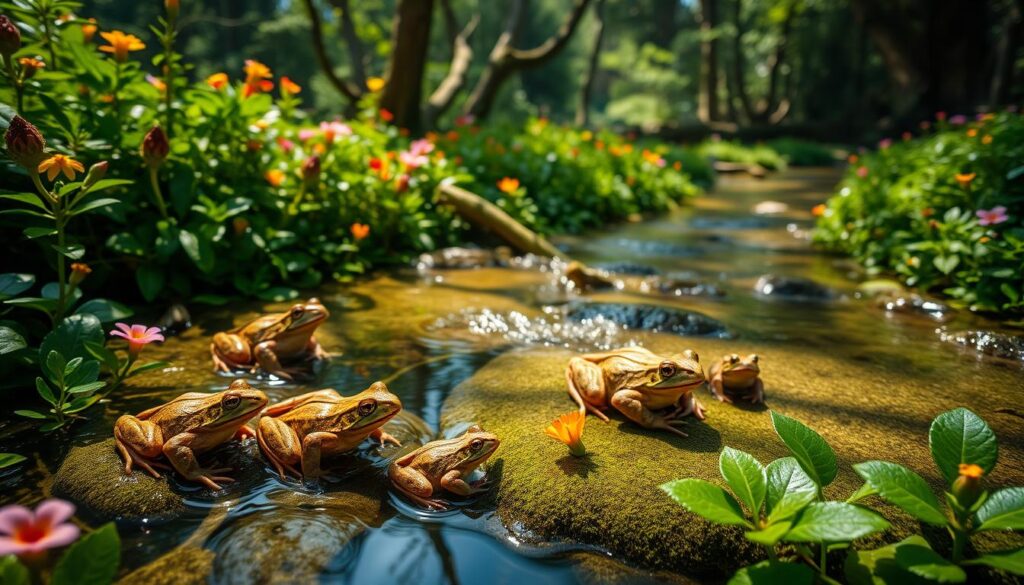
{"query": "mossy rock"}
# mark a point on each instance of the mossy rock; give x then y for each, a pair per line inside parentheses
(185, 565)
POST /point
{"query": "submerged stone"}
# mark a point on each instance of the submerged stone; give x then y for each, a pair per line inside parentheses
(792, 288)
(990, 343)
(914, 304)
(627, 268)
(462, 258)
(649, 318)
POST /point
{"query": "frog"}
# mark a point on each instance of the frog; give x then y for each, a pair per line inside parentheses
(739, 376)
(188, 425)
(267, 341)
(443, 465)
(585, 278)
(638, 382)
(298, 433)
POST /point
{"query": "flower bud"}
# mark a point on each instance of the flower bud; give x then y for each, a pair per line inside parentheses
(967, 487)
(155, 148)
(172, 8)
(95, 174)
(311, 170)
(25, 145)
(10, 37)
(79, 270)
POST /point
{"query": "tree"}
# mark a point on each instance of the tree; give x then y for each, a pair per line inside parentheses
(773, 108)
(707, 100)
(583, 107)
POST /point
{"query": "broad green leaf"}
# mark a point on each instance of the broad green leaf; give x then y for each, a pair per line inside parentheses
(746, 476)
(9, 459)
(811, 451)
(43, 305)
(86, 388)
(770, 535)
(28, 199)
(198, 249)
(1003, 510)
(10, 340)
(30, 414)
(12, 284)
(104, 310)
(150, 279)
(904, 488)
(834, 522)
(278, 294)
(55, 365)
(81, 403)
(71, 366)
(946, 264)
(90, 205)
(45, 391)
(93, 560)
(1011, 561)
(924, 562)
(706, 500)
(13, 572)
(960, 436)
(70, 336)
(789, 489)
(864, 491)
(773, 573)
(878, 566)
(102, 353)
(87, 373)
(72, 251)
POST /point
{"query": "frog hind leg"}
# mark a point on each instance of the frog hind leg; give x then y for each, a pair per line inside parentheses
(688, 404)
(179, 452)
(629, 403)
(139, 442)
(586, 386)
(453, 482)
(415, 486)
(229, 352)
(280, 444)
(314, 445)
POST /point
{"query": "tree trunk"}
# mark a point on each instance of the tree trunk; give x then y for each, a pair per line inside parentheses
(355, 46)
(739, 63)
(462, 57)
(583, 107)
(1003, 69)
(351, 92)
(410, 39)
(707, 100)
(665, 28)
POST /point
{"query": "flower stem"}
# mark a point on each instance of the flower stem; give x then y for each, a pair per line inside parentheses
(959, 540)
(154, 180)
(168, 41)
(60, 222)
(16, 82)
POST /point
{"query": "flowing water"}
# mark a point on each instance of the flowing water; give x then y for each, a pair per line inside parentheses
(424, 332)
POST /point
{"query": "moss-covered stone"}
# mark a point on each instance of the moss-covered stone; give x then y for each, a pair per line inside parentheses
(185, 565)
(611, 498)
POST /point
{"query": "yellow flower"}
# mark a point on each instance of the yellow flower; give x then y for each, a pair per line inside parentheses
(275, 177)
(217, 80)
(964, 179)
(819, 210)
(508, 185)
(375, 84)
(121, 44)
(568, 429)
(986, 139)
(58, 164)
(586, 135)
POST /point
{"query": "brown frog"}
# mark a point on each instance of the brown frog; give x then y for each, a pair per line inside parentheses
(268, 341)
(739, 376)
(443, 465)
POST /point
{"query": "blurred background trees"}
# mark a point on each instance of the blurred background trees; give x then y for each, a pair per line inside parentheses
(831, 69)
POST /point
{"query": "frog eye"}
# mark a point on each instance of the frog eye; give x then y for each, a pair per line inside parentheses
(366, 407)
(734, 358)
(754, 358)
(667, 370)
(231, 401)
(476, 444)
(297, 312)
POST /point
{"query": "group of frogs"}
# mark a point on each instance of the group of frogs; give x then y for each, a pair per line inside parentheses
(298, 434)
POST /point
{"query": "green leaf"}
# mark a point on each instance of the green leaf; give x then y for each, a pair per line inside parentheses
(773, 573)
(81, 403)
(28, 199)
(198, 249)
(790, 489)
(71, 366)
(125, 243)
(278, 294)
(95, 204)
(43, 305)
(104, 310)
(7, 460)
(1003, 510)
(960, 436)
(12, 572)
(86, 388)
(878, 566)
(108, 183)
(70, 336)
(72, 251)
(150, 279)
(770, 535)
(834, 522)
(924, 562)
(946, 264)
(45, 391)
(904, 488)
(38, 232)
(88, 372)
(746, 476)
(706, 500)
(10, 340)
(865, 491)
(811, 451)
(100, 351)
(147, 367)
(1011, 561)
(93, 560)
(30, 414)
(12, 284)
(55, 364)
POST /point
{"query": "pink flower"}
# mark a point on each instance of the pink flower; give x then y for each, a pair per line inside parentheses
(421, 147)
(884, 143)
(411, 160)
(332, 130)
(138, 336)
(465, 120)
(958, 120)
(940, 116)
(23, 532)
(306, 133)
(862, 172)
(285, 144)
(992, 216)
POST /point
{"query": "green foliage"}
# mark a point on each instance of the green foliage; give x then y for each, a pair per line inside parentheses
(912, 208)
(737, 152)
(9, 459)
(803, 153)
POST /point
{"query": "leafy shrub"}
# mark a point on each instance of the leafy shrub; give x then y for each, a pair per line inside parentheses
(943, 211)
(737, 152)
(803, 153)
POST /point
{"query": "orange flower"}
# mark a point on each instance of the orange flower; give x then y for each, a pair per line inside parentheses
(819, 210)
(157, 83)
(30, 65)
(386, 115)
(967, 486)
(275, 177)
(58, 164)
(653, 158)
(452, 135)
(89, 30)
(289, 87)
(972, 132)
(360, 231)
(927, 212)
(853, 159)
(121, 44)
(986, 139)
(985, 239)
(375, 84)
(217, 80)
(678, 165)
(79, 270)
(508, 185)
(965, 179)
(257, 78)
(568, 429)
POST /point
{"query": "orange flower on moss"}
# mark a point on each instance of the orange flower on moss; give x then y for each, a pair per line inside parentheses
(508, 185)
(360, 231)
(568, 429)
(121, 44)
(58, 164)
(217, 80)
(289, 87)
(275, 177)
(964, 179)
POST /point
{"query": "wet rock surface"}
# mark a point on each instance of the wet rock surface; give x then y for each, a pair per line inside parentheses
(649, 318)
(791, 288)
(463, 258)
(914, 305)
(989, 343)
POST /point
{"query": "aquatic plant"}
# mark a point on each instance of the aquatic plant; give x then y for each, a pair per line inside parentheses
(782, 503)
(568, 429)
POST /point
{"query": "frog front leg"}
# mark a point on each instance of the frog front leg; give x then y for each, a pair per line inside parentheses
(453, 482)
(313, 446)
(315, 350)
(280, 444)
(687, 405)
(139, 441)
(586, 386)
(178, 451)
(756, 395)
(415, 486)
(384, 438)
(630, 403)
(229, 352)
(717, 385)
(267, 360)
